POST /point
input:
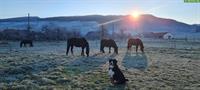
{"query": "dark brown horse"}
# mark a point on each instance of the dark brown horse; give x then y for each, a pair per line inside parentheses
(137, 42)
(25, 42)
(78, 42)
(108, 43)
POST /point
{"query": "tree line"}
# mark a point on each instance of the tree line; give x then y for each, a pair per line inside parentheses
(47, 34)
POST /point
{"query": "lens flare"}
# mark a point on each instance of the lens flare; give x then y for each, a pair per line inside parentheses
(135, 14)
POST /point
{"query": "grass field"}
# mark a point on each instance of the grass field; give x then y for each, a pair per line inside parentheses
(165, 65)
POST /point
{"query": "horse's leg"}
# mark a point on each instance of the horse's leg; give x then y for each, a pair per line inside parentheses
(136, 48)
(72, 50)
(142, 49)
(128, 47)
(31, 44)
(103, 50)
(82, 53)
(21, 44)
(68, 46)
(109, 49)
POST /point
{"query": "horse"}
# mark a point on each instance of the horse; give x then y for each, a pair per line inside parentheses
(78, 42)
(108, 43)
(137, 42)
(25, 42)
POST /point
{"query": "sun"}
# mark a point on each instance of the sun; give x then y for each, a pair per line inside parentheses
(135, 14)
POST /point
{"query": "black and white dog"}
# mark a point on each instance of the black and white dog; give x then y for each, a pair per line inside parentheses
(116, 76)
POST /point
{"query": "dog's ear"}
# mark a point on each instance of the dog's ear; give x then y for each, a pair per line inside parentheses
(115, 61)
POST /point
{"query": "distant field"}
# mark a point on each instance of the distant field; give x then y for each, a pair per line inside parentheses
(60, 46)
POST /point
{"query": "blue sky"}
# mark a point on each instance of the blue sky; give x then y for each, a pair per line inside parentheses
(174, 9)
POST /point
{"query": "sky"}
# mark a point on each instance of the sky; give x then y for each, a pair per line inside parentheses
(173, 9)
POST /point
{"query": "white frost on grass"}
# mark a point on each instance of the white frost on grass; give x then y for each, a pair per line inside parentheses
(45, 66)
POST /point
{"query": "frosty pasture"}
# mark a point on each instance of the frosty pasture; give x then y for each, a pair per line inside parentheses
(165, 65)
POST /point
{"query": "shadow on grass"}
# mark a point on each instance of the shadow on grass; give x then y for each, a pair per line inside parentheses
(135, 60)
(116, 87)
(84, 64)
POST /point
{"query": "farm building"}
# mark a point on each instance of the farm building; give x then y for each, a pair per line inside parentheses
(147, 35)
(168, 35)
(158, 35)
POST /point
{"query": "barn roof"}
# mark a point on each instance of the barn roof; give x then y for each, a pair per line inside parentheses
(154, 34)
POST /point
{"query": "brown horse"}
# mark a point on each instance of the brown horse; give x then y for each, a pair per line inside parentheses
(24, 42)
(137, 42)
(108, 43)
(78, 42)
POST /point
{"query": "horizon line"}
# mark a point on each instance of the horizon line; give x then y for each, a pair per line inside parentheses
(96, 15)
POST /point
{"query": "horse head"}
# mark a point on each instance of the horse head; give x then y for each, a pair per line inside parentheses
(116, 49)
(128, 46)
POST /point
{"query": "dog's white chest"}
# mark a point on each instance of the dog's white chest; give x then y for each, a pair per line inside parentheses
(110, 73)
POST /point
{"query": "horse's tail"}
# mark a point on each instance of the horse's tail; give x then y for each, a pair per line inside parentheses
(87, 49)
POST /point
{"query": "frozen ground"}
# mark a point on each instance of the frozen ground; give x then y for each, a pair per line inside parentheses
(164, 66)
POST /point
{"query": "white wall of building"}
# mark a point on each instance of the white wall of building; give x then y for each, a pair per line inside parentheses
(168, 36)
